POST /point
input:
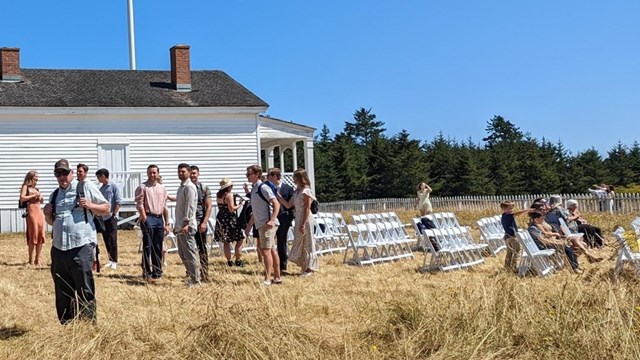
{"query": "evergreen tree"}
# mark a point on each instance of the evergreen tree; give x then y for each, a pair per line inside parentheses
(503, 143)
(365, 127)
(618, 166)
(326, 176)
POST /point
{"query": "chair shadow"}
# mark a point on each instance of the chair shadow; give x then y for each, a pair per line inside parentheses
(5, 263)
(9, 332)
(132, 280)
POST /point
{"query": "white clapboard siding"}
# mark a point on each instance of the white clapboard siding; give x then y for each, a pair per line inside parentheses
(220, 145)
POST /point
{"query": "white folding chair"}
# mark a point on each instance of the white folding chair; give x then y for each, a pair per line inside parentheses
(625, 254)
(534, 258)
(170, 239)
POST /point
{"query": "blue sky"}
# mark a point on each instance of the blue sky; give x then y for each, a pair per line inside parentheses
(566, 70)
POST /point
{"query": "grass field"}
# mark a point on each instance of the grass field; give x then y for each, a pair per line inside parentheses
(388, 311)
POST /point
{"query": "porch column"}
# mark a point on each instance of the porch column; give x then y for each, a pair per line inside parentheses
(281, 152)
(269, 156)
(308, 162)
(294, 151)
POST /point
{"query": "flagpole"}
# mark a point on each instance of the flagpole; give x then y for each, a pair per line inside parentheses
(132, 40)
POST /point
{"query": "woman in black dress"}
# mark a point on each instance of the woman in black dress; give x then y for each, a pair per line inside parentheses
(227, 230)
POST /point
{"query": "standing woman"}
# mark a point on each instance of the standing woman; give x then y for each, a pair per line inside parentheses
(303, 250)
(30, 195)
(422, 199)
(227, 229)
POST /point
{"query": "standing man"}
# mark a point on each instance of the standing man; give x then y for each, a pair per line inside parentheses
(203, 213)
(74, 239)
(285, 217)
(265, 215)
(82, 172)
(111, 192)
(185, 227)
(151, 203)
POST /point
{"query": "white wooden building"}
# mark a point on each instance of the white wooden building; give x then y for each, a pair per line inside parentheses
(126, 120)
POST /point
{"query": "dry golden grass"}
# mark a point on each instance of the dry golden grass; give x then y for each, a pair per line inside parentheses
(388, 311)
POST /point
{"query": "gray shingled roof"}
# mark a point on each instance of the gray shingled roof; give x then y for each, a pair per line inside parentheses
(123, 88)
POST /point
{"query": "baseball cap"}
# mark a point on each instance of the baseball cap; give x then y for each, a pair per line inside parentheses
(61, 165)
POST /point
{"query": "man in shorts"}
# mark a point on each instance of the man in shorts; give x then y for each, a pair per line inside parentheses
(265, 216)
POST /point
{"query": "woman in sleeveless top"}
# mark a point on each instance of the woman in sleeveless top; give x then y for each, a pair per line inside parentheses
(227, 230)
(30, 195)
(303, 250)
(422, 199)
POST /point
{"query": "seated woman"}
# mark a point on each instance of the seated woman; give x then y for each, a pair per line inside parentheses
(550, 241)
(593, 234)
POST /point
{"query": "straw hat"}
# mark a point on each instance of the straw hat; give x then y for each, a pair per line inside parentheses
(225, 183)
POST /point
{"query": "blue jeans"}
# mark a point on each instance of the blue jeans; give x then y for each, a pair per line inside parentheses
(152, 238)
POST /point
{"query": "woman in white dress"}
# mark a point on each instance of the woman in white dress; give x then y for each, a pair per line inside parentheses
(303, 250)
(423, 203)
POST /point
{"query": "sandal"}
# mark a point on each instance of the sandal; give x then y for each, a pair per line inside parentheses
(277, 281)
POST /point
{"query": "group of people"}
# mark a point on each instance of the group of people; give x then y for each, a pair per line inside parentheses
(547, 231)
(73, 207)
(606, 195)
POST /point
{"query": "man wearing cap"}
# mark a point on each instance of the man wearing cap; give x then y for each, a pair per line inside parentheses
(74, 241)
(185, 226)
(203, 213)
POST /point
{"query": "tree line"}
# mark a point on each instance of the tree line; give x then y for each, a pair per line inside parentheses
(362, 162)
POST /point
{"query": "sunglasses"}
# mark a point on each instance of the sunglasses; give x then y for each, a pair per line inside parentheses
(62, 173)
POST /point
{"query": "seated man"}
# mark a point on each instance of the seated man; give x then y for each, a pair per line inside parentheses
(551, 242)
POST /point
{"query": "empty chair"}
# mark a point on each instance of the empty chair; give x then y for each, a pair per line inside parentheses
(625, 254)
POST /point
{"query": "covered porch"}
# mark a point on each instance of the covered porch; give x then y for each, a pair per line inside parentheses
(288, 146)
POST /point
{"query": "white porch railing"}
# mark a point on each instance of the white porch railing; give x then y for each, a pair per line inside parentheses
(287, 178)
(128, 182)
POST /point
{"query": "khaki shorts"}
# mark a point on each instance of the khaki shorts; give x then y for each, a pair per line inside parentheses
(267, 237)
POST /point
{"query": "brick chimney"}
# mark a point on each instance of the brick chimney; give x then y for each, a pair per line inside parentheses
(180, 68)
(10, 64)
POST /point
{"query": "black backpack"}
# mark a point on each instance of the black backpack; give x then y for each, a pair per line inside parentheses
(245, 215)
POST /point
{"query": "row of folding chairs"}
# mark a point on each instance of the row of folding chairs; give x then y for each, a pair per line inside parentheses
(451, 248)
(330, 232)
(443, 220)
(376, 238)
(492, 233)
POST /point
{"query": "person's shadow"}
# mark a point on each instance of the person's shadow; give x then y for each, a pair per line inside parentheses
(8, 332)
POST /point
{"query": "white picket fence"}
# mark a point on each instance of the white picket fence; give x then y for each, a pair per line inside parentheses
(623, 203)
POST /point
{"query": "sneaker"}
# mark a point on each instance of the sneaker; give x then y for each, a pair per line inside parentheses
(190, 284)
(240, 263)
(230, 263)
(107, 265)
(114, 265)
(266, 283)
(277, 281)
(578, 271)
(308, 273)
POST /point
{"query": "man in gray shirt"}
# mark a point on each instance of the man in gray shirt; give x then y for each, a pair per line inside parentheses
(185, 224)
(111, 192)
(265, 208)
(70, 212)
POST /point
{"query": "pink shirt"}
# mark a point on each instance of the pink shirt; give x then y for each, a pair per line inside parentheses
(150, 198)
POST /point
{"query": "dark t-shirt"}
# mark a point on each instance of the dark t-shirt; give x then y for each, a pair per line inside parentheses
(509, 224)
(203, 194)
